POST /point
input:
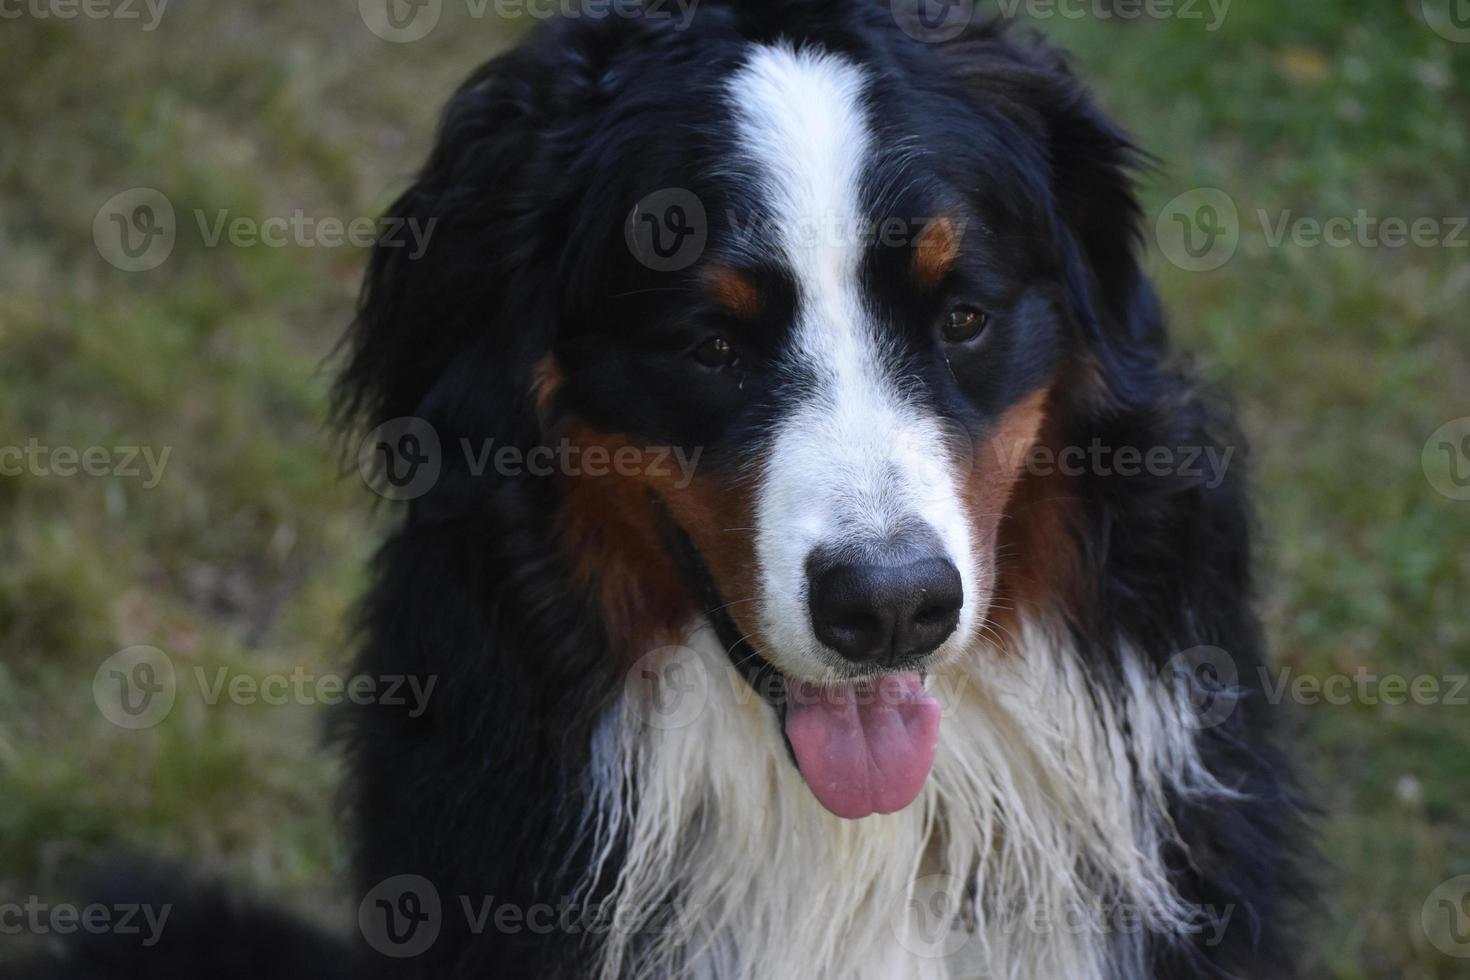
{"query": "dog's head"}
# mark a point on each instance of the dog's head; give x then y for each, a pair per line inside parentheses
(782, 301)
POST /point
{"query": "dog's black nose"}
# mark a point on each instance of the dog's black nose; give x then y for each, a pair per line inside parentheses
(885, 612)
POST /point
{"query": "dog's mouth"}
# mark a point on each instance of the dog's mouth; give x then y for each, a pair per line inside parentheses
(864, 747)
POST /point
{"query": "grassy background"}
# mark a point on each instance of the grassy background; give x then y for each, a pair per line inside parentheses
(249, 552)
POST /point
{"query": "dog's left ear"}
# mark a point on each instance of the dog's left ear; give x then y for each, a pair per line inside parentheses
(1092, 165)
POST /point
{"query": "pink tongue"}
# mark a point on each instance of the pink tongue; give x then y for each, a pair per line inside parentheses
(864, 748)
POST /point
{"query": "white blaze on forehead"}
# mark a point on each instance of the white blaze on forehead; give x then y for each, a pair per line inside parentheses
(802, 120)
(854, 461)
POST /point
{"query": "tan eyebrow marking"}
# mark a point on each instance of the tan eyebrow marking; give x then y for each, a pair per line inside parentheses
(733, 291)
(937, 249)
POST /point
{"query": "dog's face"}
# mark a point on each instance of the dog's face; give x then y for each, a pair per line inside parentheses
(838, 279)
(849, 340)
(860, 355)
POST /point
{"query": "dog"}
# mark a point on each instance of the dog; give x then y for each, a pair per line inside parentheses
(833, 635)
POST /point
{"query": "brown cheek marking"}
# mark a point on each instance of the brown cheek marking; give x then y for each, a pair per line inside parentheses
(612, 528)
(718, 517)
(734, 292)
(1008, 536)
(1038, 554)
(936, 251)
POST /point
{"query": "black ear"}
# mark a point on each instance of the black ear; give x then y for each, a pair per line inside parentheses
(420, 314)
(452, 334)
(1092, 163)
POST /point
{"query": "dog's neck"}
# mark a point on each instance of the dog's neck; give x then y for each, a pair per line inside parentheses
(1038, 839)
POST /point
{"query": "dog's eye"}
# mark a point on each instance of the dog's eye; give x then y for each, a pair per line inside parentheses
(965, 323)
(717, 352)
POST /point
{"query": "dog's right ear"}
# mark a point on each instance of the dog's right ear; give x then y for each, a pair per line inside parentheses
(435, 301)
(462, 297)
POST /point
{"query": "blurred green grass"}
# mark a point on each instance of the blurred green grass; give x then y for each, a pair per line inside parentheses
(250, 551)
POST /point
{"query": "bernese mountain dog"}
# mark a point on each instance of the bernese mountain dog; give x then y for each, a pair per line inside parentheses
(834, 637)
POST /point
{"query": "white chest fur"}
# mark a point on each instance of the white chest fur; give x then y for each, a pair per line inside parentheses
(1033, 851)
